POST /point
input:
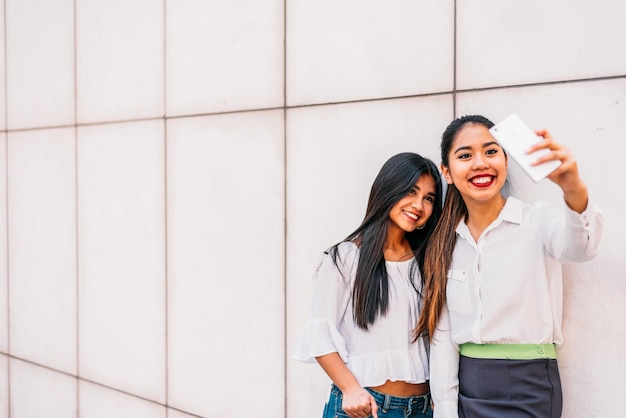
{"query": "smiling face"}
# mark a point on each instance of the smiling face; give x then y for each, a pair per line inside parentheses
(477, 165)
(414, 209)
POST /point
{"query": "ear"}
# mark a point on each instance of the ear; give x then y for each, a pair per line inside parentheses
(445, 171)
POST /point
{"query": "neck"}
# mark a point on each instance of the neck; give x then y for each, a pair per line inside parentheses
(396, 247)
(481, 214)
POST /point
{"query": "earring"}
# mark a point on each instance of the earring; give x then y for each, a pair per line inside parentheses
(421, 227)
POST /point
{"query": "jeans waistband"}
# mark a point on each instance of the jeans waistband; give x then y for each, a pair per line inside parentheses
(509, 351)
(385, 402)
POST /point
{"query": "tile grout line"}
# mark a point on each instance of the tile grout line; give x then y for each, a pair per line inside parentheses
(6, 157)
(285, 145)
(165, 203)
(455, 91)
(454, 56)
(6, 220)
(76, 210)
(95, 383)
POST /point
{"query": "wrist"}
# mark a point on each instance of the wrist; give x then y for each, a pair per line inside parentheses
(576, 197)
(350, 387)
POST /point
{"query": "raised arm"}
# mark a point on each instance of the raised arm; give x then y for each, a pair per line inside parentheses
(566, 176)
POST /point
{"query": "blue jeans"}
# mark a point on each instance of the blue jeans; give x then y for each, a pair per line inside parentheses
(388, 406)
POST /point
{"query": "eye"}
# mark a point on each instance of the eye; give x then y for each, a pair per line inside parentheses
(430, 199)
(464, 156)
(492, 151)
(413, 192)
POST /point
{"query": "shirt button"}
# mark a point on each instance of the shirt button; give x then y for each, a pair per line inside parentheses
(540, 350)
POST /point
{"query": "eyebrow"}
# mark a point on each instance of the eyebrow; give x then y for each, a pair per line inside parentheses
(429, 193)
(485, 145)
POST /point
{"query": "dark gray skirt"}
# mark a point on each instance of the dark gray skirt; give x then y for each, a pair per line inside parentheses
(491, 388)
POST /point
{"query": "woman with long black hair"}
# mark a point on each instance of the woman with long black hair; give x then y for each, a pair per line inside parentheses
(368, 298)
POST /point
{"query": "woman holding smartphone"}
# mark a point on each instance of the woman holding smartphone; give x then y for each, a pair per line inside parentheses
(493, 279)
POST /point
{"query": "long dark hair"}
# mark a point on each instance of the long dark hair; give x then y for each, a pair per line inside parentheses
(438, 255)
(397, 177)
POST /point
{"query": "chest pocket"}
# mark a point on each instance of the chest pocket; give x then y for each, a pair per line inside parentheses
(458, 291)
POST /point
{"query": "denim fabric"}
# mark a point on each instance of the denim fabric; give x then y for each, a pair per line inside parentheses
(388, 406)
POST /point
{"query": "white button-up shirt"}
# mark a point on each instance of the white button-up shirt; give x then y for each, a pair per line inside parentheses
(507, 288)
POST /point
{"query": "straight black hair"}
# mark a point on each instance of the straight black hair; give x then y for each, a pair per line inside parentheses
(397, 177)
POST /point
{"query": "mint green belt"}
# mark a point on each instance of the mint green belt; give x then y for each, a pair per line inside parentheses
(508, 351)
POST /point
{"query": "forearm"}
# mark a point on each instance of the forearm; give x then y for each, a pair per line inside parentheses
(338, 372)
(356, 402)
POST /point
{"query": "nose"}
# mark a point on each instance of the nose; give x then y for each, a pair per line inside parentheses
(417, 203)
(479, 161)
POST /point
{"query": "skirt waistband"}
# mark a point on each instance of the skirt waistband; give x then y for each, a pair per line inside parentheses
(509, 351)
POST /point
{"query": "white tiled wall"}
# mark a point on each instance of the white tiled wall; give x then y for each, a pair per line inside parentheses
(538, 41)
(225, 263)
(121, 257)
(38, 391)
(98, 402)
(40, 63)
(170, 172)
(119, 60)
(4, 386)
(4, 284)
(224, 55)
(173, 413)
(351, 50)
(3, 72)
(42, 246)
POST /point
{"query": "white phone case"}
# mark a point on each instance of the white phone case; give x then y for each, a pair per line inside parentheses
(516, 138)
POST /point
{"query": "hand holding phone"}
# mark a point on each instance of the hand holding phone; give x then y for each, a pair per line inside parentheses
(516, 138)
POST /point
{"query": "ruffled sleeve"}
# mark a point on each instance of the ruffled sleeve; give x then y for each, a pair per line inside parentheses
(321, 334)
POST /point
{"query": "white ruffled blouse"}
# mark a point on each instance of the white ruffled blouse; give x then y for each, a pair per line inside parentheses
(383, 352)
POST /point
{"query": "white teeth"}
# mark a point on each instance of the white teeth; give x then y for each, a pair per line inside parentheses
(481, 180)
(412, 215)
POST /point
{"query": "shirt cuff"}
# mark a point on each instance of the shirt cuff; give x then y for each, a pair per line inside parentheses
(585, 218)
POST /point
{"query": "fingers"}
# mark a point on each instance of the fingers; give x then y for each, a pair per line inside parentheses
(374, 407)
(561, 155)
(556, 150)
(547, 142)
(544, 133)
(363, 412)
(566, 175)
(359, 404)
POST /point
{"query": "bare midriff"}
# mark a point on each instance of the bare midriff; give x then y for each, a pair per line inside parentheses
(404, 389)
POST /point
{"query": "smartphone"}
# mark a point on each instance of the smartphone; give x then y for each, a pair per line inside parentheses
(516, 138)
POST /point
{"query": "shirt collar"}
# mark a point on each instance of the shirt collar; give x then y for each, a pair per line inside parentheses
(511, 212)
